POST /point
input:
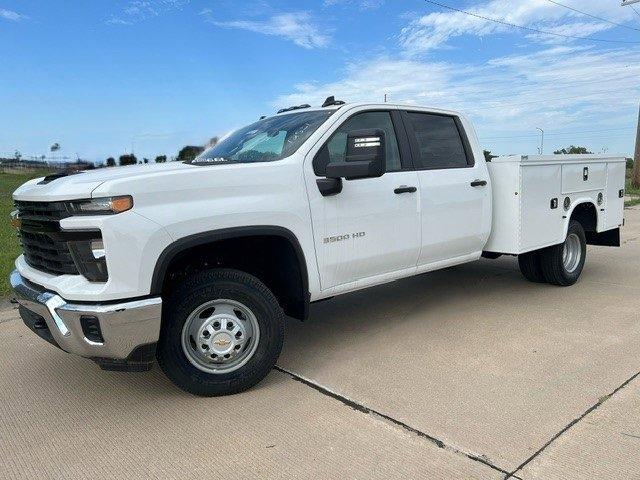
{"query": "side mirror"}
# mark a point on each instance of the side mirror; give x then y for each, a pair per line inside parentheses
(365, 156)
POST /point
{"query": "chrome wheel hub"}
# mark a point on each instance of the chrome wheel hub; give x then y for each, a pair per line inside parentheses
(571, 253)
(220, 336)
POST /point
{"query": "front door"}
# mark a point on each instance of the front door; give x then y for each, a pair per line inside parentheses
(371, 229)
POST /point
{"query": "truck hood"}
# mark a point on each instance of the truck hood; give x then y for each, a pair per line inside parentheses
(81, 185)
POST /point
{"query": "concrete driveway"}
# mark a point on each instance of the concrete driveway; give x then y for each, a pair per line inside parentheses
(470, 372)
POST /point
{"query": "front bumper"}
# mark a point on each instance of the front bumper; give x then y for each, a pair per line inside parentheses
(129, 330)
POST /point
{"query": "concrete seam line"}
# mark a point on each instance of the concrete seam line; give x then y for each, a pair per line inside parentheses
(367, 410)
(571, 424)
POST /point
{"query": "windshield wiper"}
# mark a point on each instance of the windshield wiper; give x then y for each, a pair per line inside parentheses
(211, 161)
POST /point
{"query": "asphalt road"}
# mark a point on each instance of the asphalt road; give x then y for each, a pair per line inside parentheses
(470, 372)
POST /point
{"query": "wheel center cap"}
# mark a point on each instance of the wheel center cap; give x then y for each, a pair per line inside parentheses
(222, 343)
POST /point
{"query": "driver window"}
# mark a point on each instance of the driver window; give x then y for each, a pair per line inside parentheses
(336, 148)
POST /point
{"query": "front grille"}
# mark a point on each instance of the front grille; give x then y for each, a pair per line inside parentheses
(42, 211)
(45, 246)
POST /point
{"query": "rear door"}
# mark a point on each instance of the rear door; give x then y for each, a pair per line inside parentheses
(370, 229)
(454, 188)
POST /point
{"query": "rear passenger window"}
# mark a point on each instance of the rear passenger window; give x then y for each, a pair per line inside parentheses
(438, 141)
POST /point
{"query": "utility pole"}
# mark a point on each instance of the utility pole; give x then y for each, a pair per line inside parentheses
(635, 176)
(541, 149)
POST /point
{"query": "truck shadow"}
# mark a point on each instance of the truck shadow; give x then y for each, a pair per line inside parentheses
(341, 322)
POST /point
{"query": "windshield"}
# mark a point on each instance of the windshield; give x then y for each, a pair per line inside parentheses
(266, 140)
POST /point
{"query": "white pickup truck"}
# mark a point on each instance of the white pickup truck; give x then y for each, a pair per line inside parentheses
(195, 264)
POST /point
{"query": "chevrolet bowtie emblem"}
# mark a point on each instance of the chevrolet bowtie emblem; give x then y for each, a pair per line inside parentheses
(221, 342)
(15, 219)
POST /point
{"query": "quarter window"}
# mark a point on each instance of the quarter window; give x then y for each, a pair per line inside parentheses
(438, 141)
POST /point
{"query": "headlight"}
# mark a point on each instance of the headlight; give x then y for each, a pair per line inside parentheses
(101, 206)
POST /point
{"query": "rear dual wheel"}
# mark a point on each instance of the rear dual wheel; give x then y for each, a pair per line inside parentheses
(559, 264)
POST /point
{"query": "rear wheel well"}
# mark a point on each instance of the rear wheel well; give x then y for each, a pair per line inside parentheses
(587, 215)
(275, 260)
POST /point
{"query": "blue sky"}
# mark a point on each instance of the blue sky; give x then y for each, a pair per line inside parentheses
(101, 76)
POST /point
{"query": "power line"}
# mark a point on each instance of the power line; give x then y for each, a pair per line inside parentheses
(530, 29)
(634, 9)
(593, 16)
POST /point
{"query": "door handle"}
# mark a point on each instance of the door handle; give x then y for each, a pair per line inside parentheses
(478, 183)
(404, 189)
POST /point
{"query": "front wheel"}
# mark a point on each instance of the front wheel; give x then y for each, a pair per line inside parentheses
(222, 333)
(562, 264)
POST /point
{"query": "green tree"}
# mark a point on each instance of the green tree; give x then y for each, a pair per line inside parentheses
(189, 152)
(572, 150)
(111, 162)
(161, 159)
(128, 160)
(487, 155)
(145, 160)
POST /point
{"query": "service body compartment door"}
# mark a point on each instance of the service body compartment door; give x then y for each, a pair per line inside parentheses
(614, 207)
(541, 211)
(578, 177)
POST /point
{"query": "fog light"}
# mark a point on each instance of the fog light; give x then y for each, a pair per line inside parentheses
(91, 329)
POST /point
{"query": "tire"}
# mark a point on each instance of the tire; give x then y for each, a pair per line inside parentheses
(531, 266)
(556, 268)
(194, 307)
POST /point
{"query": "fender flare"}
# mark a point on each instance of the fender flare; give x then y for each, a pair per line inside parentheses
(190, 241)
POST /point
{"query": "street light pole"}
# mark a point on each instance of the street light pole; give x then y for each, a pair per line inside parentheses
(542, 138)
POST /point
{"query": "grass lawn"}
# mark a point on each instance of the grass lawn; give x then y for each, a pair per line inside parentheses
(9, 246)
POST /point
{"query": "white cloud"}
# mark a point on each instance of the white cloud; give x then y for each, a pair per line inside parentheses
(11, 15)
(561, 89)
(427, 32)
(118, 21)
(363, 4)
(138, 10)
(297, 27)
